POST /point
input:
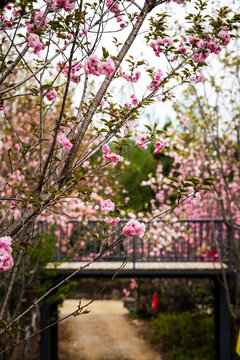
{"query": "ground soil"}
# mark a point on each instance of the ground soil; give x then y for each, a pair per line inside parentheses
(106, 333)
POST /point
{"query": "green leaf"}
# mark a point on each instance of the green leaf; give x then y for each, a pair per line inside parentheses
(105, 53)
(173, 178)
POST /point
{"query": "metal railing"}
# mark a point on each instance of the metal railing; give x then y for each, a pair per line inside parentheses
(179, 241)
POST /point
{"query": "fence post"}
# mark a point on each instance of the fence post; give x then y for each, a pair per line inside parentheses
(48, 337)
(222, 322)
(228, 249)
(134, 250)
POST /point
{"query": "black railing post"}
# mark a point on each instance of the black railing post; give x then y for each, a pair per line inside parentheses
(222, 322)
(228, 248)
(48, 337)
(134, 257)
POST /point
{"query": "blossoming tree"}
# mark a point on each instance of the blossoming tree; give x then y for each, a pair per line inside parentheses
(206, 142)
(56, 50)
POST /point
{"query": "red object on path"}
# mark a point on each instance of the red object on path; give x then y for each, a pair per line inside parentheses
(155, 301)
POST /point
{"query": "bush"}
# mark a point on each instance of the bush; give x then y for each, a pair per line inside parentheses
(185, 336)
(174, 295)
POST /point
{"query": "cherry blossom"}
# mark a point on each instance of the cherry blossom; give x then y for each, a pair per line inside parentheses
(16, 147)
(6, 260)
(51, 95)
(62, 139)
(197, 79)
(110, 156)
(35, 43)
(96, 67)
(107, 206)
(142, 141)
(134, 227)
(112, 221)
(159, 146)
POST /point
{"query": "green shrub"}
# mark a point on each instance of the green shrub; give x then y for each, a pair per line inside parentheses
(185, 336)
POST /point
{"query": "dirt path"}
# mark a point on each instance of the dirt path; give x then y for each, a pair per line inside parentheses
(103, 334)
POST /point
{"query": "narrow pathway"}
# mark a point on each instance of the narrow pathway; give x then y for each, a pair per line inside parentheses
(103, 334)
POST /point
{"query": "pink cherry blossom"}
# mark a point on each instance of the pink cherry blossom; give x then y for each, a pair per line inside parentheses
(107, 67)
(105, 149)
(51, 95)
(133, 284)
(156, 80)
(16, 147)
(182, 48)
(197, 79)
(64, 69)
(6, 260)
(38, 17)
(1, 105)
(193, 199)
(86, 164)
(226, 38)
(159, 146)
(62, 139)
(35, 43)
(110, 156)
(112, 221)
(107, 206)
(134, 227)
(5, 243)
(12, 205)
(96, 67)
(133, 77)
(142, 141)
(126, 293)
(114, 157)
(134, 99)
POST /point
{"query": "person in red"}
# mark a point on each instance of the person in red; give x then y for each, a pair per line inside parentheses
(155, 301)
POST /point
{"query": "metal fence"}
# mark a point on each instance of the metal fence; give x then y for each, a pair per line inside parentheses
(178, 241)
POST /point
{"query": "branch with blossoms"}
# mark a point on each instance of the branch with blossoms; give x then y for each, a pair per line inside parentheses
(132, 228)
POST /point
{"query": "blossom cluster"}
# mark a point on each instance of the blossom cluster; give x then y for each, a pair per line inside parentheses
(108, 206)
(74, 74)
(62, 139)
(178, 1)
(134, 99)
(35, 43)
(112, 221)
(37, 19)
(197, 79)
(114, 8)
(156, 80)
(96, 67)
(110, 156)
(51, 95)
(142, 141)
(6, 260)
(133, 78)
(134, 227)
(202, 47)
(58, 5)
(208, 45)
(159, 146)
(157, 45)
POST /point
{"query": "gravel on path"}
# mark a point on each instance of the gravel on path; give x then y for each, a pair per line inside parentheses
(105, 333)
